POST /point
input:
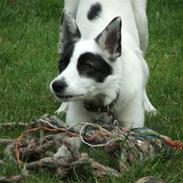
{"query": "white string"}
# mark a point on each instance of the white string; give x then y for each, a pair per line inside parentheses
(97, 145)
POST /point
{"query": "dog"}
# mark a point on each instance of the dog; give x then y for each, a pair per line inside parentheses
(102, 48)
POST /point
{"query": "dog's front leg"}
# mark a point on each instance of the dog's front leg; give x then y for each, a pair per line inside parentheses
(148, 107)
(76, 114)
(132, 114)
(63, 108)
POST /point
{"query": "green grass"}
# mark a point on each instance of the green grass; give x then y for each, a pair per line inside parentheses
(28, 62)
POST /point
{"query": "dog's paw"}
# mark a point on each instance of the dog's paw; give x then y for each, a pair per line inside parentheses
(63, 108)
(149, 108)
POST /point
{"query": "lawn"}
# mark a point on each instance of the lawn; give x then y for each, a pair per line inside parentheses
(28, 62)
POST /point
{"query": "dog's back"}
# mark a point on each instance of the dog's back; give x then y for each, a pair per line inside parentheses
(92, 17)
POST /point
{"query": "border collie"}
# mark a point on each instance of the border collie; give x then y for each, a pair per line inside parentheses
(102, 48)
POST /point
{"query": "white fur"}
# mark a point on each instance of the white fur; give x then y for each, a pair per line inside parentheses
(130, 70)
(63, 108)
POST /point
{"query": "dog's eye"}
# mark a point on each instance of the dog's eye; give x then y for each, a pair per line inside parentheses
(89, 64)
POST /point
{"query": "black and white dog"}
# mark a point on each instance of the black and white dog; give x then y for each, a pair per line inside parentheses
(102, 47)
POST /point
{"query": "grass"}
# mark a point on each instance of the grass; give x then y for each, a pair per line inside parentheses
(28, 62)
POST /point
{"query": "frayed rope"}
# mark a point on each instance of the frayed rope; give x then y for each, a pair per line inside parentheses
(176, 144)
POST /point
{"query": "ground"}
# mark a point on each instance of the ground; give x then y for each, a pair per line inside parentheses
(28, 62)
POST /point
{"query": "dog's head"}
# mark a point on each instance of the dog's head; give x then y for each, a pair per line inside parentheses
(87, 68)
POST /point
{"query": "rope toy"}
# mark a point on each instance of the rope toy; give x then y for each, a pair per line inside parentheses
(35, 147)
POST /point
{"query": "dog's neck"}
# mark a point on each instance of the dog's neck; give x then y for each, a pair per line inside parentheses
(98, 105)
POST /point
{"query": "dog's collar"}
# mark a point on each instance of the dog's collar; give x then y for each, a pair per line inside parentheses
(101, 109)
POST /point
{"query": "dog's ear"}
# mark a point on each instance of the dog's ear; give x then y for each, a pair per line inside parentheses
(69, 31)
(110, 39)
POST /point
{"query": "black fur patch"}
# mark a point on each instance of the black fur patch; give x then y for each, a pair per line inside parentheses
(66, 56)
(59, 86)
(93, 66)
(94, 12)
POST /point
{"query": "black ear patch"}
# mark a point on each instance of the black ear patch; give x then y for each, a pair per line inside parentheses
(66, 56)
(95, 11)
(93, 66)
(69, 31)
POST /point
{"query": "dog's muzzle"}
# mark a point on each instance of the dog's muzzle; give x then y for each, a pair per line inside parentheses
(58, 88)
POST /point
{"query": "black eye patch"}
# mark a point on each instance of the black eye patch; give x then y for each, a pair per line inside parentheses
(66, 56)
(93, 66)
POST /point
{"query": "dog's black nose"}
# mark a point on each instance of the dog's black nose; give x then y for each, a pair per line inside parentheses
(59, 85)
